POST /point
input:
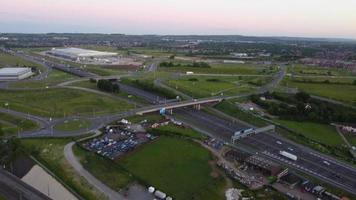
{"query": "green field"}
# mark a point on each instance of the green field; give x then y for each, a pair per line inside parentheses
(12, 61)
(340, 92)
(224, 69)
(212, 86)
(104, 169)
(54, 78)
(229, 108)
(72, 125)
(178, 167)
(61, 102)
(317, 71)
(12, 124)
(322, 133)
(50, 153)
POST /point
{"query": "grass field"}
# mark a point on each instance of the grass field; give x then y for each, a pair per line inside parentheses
(104, 169)
(12, 124)
(229, 108)
(344, 93)
(13, 61)
(72, 125)
(50, 153)
(178, 167)
(322, 133)
(204, 87)
(224, 69)
(61, 102)
(320, 71)
(54, 78)
(122, 94)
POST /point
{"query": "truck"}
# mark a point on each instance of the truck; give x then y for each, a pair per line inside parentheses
(189, 73)
(288, 155)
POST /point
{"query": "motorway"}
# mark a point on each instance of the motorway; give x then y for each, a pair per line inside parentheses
(310, 162)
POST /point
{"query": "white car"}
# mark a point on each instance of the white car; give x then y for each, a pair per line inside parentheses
(326, 162)
(279, 142)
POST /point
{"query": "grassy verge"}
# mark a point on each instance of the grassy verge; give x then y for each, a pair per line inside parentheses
(13, 124)
(53, 79)
(228, 107)
(325, 134)
(72, 125)
(13, 61)
(50, 153)
(61, 102)
(103, 169)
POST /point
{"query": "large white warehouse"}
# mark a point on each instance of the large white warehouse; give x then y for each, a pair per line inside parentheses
(80, 54)
(16, 73)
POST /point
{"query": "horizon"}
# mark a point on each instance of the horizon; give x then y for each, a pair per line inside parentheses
(275, 18)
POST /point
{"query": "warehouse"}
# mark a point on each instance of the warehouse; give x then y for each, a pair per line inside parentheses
(8, 74)
(78, 54)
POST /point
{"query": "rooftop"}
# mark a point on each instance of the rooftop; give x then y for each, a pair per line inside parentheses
(82, 52)
(13, 70)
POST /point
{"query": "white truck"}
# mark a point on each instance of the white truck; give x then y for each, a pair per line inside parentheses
(288, 155)
(189, 73)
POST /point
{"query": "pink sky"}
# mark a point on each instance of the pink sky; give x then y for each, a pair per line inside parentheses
(316, 18)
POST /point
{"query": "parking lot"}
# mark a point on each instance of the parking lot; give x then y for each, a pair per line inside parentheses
(117, 140)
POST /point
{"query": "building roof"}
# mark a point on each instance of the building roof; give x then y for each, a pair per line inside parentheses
(6, 71)
(82, 52)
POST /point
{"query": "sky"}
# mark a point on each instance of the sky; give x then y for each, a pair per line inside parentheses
(302, 18)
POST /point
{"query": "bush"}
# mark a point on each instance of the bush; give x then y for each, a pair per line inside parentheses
(193, 79)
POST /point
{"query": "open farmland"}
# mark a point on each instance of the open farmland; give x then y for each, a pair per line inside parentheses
(61, 102)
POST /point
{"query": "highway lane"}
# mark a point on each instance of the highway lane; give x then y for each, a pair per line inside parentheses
(335, 173)
(220, 127)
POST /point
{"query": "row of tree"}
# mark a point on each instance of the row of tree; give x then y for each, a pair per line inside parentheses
(108, 86)
(194, 64)
(302, 107)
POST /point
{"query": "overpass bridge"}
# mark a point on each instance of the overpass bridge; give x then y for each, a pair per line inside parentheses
(170, 106)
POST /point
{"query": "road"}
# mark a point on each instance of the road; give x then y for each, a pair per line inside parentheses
(70, 157)
(337, 173)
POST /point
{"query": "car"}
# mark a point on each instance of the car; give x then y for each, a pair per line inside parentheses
(279, 142)
(326, 162)
(290, 149)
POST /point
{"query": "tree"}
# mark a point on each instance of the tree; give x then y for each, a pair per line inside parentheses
(1, 131)
(302, 96)
(107, 86)
(354, 82)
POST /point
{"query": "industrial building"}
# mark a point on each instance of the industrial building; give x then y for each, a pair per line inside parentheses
(78, 54)
(16, 73)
